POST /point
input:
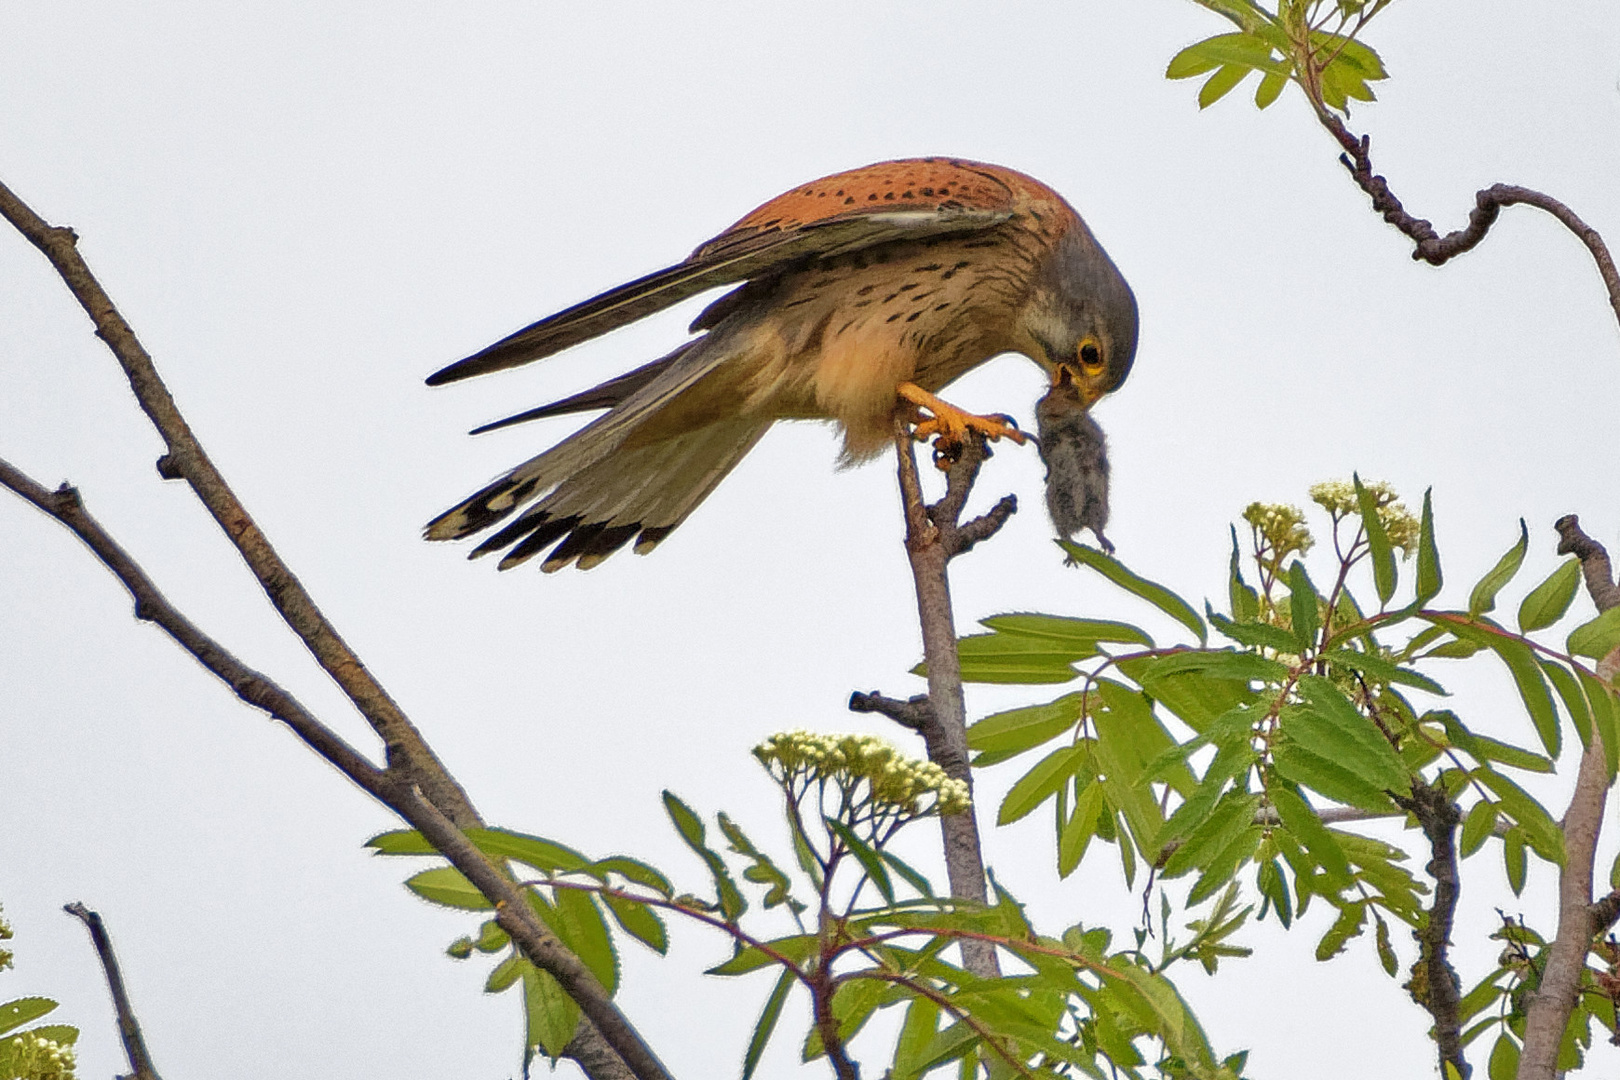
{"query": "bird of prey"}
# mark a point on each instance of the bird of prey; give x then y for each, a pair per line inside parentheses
(858, 297)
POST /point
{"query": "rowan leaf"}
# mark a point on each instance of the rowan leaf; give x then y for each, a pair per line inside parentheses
(1429, 578)
(766, 1024)
(1483, 598)
(1154, 593)
(1383, 555)
(1548, 601)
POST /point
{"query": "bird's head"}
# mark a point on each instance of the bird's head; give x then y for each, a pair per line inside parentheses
(1081, 317)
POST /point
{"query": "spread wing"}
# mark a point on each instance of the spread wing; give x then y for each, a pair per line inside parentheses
(746, 251)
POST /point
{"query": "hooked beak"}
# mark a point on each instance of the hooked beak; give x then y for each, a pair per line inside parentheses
(1063, 373)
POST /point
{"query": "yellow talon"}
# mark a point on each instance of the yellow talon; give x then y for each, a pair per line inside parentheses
(948, 426)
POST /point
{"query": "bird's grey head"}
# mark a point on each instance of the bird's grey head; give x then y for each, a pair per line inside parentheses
(1082, 317)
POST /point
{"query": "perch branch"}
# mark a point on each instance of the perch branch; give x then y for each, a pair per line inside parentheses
(602, 1058)
(933, 538)
(129, 1029)
(915, 713)
(1578, 918)
(185, 457)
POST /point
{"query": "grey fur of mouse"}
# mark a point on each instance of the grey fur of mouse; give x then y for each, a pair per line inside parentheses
(1076, 455)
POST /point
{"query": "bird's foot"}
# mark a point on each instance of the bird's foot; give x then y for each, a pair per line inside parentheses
(949, 426)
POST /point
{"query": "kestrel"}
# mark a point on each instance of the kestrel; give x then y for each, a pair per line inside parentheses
(862, 294)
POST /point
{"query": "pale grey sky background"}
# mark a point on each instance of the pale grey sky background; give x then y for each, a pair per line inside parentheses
(305, 208)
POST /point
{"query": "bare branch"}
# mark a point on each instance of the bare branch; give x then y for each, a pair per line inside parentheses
(1434, 249)
(1594, 561)
(915, 713)
(391, 787)
(186, 458)
(129, 1029)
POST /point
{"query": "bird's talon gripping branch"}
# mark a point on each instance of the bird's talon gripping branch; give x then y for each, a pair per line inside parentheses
(948, 426)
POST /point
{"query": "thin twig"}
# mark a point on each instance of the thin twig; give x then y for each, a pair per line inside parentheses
(391, 787)
(1559, 988)
(407, 752)
(1434, 249)
(129, 1029)
(185, 457)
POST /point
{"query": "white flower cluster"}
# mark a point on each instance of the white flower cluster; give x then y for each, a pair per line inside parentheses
(895, 779)
(1338, 497)
(38, 1058)
(1281, 527)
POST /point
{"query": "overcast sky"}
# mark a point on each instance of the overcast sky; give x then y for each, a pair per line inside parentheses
(305, 208)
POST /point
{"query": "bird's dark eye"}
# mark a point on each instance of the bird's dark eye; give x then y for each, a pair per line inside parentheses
(1091, 358)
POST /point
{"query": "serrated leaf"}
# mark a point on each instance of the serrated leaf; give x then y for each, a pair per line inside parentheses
(1302, 821)
(1596, 639)
(14, 1014)
(907, 873)
(916, 1033)
(1244, 599)
(1548, 601)
(1079, 829)
(766, 1024)
(1349, 924)
(448, 887)
(552, 1015)
(1504, 1060)
(639, 921)
(1015, 659)
(1304, 607)
(691, 830)
(1574, 699)
(1386, 953)
(869, 860)
(1477, 827)
(1006, 734)
(576, 920)
(506, 973)
(1232, 816)
(633, 870)
(1154, 593)
(1255, 634)
(1535, 825)
(1381, 670)
(1330, 779)
(1040, 783)
(1066, 630)
(1332, 727)
(1605, 717)
(1483, 598)
(1429, 577)
(1383, 555)
(762, 871)
(1513, 859)
(1220, 868)
(1527, 677)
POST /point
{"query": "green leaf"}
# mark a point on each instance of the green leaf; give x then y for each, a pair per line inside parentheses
(1301, 820)
(1220, 869)
(1331, 727)
(1079, 829)
(639, 921)
(766, 1023)
(1247, 50)
(922, 1020)
(1504, 1063)
(1223, 82)
(1478, 826)
(577, 921)
(1079, 634)
(1483, 598)
(1196, 696)
(1328, 778)
(448, 887)
(14, 1014)
(1574, 698)
(1513, 859)
(1429, 578)
(1597, 638)
(1535, 825)
(1483, 748)
(869, 860)
(907, 873)
(1386, 954)
(1521, 664)
(1006, 734)
(1015, 659)
(1381, 670)
(506, 973)
(762, 870)
(1232, 816)
(1040, 783)
(1255, 634)
(1244, 600)
(747, 958)
(1605, 717)
(1352, 917)
(1383, 555)
(1155, 594)
(852, 1005)
(1548, 601)
(552, 1014)
(1304, 606)
(632, 870)
(1270, 89)
(691, 830)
